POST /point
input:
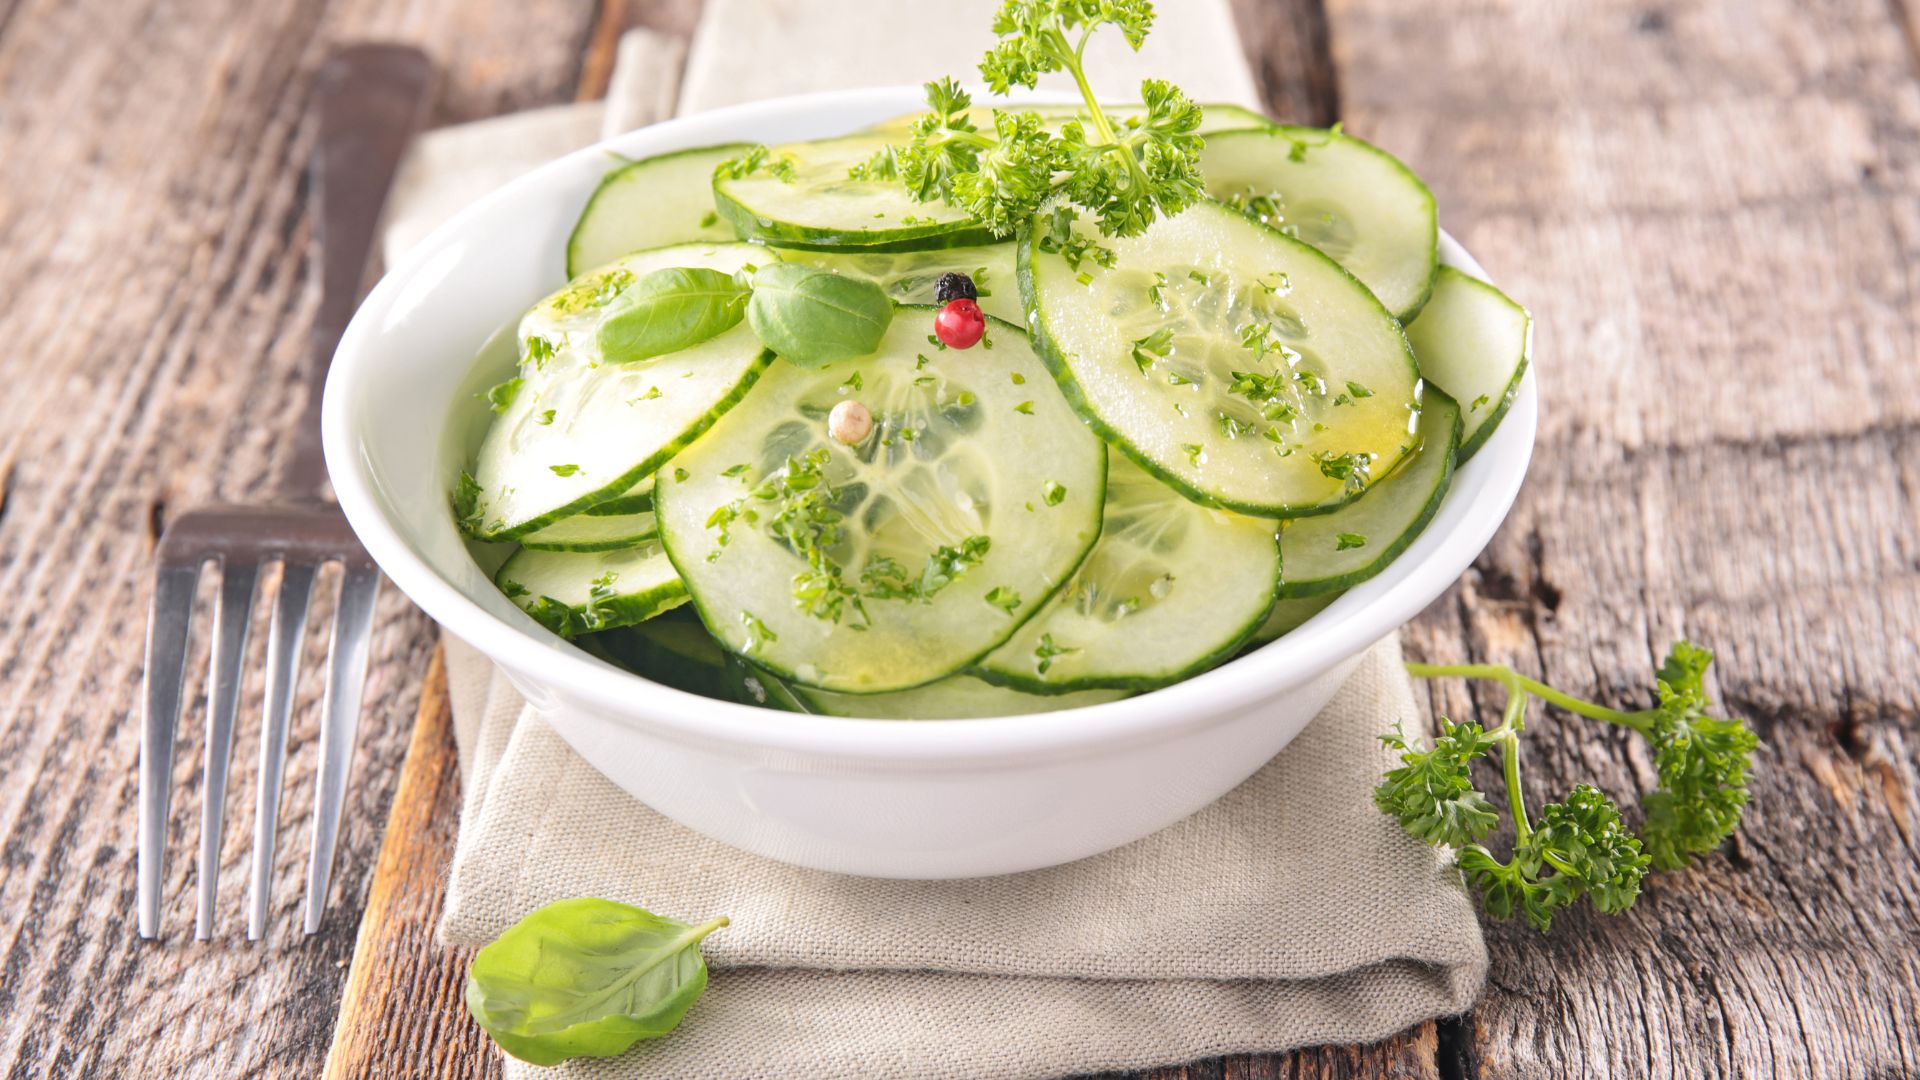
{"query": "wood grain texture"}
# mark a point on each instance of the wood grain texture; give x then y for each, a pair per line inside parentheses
(403, 1011)
(154, 264)
(1710, 206)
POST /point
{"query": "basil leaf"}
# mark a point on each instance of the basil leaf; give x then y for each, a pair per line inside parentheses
(669, 310)
(813, 317)
(586, 978)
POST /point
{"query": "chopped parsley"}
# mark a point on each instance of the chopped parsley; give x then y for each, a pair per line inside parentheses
(1047, 652)
(1004, 598)
(539, 350)
(758, 159)
(1053, 493)
(1349, 541)
(1153, 348)
(586, 294)
(1156, 292)
(1062, 240)
(885, 579)
(501, 396)
(1350, 469)
(1025, 408)
(564, 470)
(758, 632)
(467, 510)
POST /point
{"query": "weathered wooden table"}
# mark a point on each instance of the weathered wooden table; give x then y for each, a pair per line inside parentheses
(1713, 208)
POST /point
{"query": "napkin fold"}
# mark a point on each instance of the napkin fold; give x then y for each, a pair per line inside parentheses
(1289, 913)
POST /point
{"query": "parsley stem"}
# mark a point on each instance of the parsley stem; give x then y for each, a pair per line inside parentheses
(1510, 764)
(1641, 721)
(970, 138)
(1070, 59)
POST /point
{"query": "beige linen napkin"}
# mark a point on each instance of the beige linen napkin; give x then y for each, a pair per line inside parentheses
(1289, 913)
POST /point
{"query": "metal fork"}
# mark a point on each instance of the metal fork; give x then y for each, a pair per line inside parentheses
(370, 99)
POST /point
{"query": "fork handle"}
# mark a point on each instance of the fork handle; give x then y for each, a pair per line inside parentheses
(371, 98)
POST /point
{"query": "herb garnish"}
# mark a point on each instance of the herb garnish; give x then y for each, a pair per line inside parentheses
(1124, 173)
(1045, 653)
(1352, 470)
(501, 396)
(672, 309)
(813, 317)
(1578, 847)
(586, 978)
(1153, 348)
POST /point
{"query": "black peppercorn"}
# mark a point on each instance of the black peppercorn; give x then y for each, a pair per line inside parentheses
(954, 285)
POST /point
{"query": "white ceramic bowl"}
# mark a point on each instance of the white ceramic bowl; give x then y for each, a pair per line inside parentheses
(914, 800)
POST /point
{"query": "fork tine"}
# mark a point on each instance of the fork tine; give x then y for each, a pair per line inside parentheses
(284, 636)
(231, 621)
(339, 723)
(169, 622)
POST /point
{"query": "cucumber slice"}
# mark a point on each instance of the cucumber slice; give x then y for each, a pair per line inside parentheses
(957, 697)
(571, 593)
(815, 205)
(1215, 117)
(909, 276)
(1150, 349)
(1474, 343)
(965, 445)
(1171, 589)
(1288, 614)
(637, 500)
(675, 650)
(614, 524)
(650, 203)
(1336, 551)
(1351, 200)
(579, 432)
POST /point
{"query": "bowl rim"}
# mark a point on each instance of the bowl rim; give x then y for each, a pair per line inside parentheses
(1358, 621)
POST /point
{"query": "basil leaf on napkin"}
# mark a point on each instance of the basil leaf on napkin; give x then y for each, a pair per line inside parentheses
(813, 317)
(586, 978)
(672, 309)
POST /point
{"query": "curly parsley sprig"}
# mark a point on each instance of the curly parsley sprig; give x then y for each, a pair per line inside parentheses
(1578, 847)
(1125, 173)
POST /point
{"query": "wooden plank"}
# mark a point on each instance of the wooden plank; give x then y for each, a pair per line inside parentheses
(154, 250)
(403, 1012)
(1710, 209)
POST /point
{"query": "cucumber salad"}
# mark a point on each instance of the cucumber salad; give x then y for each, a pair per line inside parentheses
(985, 410)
